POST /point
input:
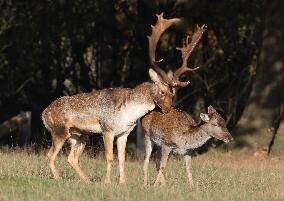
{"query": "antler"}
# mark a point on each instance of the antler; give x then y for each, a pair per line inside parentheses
(157, 30)
(186, 51)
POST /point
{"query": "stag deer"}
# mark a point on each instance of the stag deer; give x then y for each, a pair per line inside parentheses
(112, 112)
(177, 131)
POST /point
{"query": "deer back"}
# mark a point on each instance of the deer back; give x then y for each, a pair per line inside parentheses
(167, 127)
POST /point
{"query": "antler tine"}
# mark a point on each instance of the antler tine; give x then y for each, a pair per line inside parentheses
(157, 30)
(186, 51)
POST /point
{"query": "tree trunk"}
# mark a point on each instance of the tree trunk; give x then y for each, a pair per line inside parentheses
(263, 118)
(20, 122)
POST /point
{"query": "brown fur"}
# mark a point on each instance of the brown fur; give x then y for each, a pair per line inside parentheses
(112, 112)
(177, 131)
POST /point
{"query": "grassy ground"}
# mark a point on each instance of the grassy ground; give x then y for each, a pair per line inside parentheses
(217, 176)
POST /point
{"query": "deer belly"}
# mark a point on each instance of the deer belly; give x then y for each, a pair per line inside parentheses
(180, 151)
(96, 128)
(92, 126)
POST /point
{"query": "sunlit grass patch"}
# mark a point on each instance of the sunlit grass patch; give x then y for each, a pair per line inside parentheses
(217, 176)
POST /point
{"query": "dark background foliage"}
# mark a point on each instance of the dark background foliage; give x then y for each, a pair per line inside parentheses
(53, 48)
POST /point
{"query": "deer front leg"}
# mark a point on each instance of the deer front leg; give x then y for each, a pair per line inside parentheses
(121, 144)
(108, 143)
(187, 159)
(148, 151)
(165, 153)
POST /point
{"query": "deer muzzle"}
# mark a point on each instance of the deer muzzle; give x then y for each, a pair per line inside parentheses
(228, 138)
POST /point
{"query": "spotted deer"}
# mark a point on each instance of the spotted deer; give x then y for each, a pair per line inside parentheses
(112, 112)
(177, 131)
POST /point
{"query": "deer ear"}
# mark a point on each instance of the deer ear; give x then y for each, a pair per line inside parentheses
(211, 110)
(154, 76)
(204, 117)
(170, 74)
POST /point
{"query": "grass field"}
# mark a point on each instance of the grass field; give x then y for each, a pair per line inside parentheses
(217, 176)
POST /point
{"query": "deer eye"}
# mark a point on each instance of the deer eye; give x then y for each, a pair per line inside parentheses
(162, 93)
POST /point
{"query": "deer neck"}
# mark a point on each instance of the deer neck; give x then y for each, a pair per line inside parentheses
(141, 95)
(139, 101)
(199, 136)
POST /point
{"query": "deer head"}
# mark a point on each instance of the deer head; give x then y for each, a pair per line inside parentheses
(162, 94)
(216, 125)
(167, 82)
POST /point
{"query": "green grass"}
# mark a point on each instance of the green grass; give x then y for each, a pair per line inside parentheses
(217, 176)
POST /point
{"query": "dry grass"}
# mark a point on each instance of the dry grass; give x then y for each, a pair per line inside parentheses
(217, 176)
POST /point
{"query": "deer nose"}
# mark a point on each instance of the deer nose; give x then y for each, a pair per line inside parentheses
(230, 138)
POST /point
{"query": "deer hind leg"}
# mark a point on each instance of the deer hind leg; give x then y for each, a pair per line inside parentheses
(108, 143)
(165, 154)
(148, 151)
(57, 143)
(77, 147)
(187, 160)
